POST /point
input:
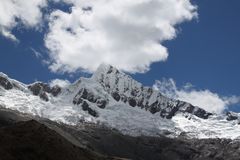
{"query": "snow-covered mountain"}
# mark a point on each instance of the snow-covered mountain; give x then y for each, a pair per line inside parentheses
(113, 98)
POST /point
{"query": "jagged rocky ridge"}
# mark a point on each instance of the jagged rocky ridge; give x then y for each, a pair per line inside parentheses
(113, 98)
(123, 88)
(41, 89)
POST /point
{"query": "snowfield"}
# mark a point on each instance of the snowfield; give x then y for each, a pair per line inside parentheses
(122, 116)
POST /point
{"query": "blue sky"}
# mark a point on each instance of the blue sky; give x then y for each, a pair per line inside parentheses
(205, 52)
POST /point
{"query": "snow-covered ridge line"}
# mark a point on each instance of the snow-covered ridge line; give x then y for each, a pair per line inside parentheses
(122, 87)
(113, 98)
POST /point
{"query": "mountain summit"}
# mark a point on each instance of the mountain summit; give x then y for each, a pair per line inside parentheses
(123, 88)
(112, 98)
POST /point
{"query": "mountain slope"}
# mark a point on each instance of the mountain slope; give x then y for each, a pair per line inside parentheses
(114, 99)
(23, 138)
(30, 140)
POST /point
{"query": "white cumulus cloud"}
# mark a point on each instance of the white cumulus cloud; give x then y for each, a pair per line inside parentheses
(59, 82)
(27, 12)
(205, 99)
(124, 33)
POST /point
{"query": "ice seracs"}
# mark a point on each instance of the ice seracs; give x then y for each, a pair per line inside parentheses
(113, 98)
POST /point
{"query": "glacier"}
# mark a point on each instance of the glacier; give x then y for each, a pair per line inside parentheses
(112, 98)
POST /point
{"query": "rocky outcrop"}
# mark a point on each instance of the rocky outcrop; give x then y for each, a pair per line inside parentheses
(132, 102)
(55, 90)
(201, 113)
(232, 116)
(85, 107)
(41, 89)
(44, 96)
(5, 83)
(123, 88)
(85, 94)
(185, 107)
(116, 96)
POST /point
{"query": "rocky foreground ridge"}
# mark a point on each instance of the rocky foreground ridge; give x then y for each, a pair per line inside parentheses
(29, 137)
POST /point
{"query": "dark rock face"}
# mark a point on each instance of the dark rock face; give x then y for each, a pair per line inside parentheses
(172, 112)
(124, 98)
(56, 90)
(168, 112)
(190, 109)
(36, 89)
(84, 94)
(44, 96)
(132, 102)
(110, 70)
(101, 103)
(180, 107)
(202, 113)
(41, 90)
(85, 107)
(116, 96)
(92, 112)
(231, 117)
(154, 108)
(125, 89)
(77, 101)
(5, 83)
